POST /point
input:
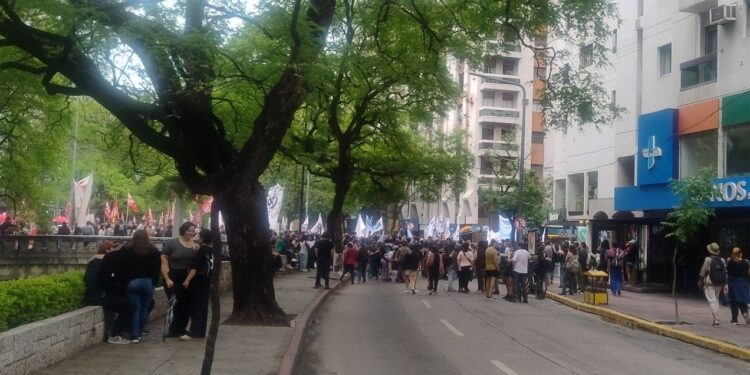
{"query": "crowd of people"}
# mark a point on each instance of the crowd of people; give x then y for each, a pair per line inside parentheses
(122, 278)
(492, 263)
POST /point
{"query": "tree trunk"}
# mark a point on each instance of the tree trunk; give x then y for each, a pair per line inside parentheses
(246, 221)
(674, 286)
(213, 329)
(343, 181)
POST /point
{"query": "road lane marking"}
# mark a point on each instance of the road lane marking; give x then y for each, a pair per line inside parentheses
(503, 367)
(451, 327)
(426, 304)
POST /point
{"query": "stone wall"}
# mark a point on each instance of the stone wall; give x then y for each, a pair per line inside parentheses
(37, 345)
(26, 256)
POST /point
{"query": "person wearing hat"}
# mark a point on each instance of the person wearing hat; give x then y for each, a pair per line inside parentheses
(712, 279)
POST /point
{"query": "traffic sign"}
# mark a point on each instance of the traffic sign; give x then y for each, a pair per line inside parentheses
(520, 223)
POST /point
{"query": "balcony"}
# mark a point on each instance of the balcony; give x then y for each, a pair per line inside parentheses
(697, 6)
(499, 115)
(505, 49)
(501, 83)
(497, 145)
(698, 71)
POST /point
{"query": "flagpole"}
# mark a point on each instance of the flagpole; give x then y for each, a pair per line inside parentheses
(73, 168)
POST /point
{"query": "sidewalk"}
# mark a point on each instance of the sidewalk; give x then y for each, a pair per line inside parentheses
(651, 311)
(239, 349)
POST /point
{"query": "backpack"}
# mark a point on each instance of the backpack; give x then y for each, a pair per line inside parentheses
(717, 271)
(574, 265)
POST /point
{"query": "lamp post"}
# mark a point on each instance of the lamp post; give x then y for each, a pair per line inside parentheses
(522, 151)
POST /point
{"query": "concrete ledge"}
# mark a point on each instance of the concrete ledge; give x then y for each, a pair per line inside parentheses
(34, 346)
(646, 325)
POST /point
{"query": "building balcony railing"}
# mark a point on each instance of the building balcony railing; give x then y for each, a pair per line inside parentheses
(498, 46)
(698, 71)
(512, 113)
(502, 83)
(497, 145)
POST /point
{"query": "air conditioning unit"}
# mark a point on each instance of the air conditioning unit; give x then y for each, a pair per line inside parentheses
(722, 14)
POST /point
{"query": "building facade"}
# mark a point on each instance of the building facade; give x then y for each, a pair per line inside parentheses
(493, 113)
(679, 70)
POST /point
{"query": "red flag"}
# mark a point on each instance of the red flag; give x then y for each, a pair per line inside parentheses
(206, 205)
(107, 212)
(68, 209)
(131, 204)
(115, 215)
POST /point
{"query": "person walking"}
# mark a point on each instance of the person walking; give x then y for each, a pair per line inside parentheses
(712, 279)
(303, 246)
(738, 282)
(479, 265)
(176, 257)
(350, 261)
(491, 269)
(142, 261)
(363, 258)
(435, 268)
(465, 260)
(323, 248)
(411, 268)
(520, 263)
(451, 269)
(198, 285)
(614, 265)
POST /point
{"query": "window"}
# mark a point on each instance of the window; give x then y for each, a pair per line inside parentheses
(490, 67)
(488, 133)
(665, 59)
(536, 106)
(710, 40)
(614, 41)
(593, 187)
(587, 55)
(485, 166)
(737, 145)
(509, 67)
(509, 100)
(537, 138)
(540, 72)
(697, 151)
(488, 99)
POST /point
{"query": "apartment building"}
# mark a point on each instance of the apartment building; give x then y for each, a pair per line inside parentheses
(679, 69)
(491, 113)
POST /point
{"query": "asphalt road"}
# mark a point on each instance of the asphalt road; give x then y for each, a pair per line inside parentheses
(377, 329)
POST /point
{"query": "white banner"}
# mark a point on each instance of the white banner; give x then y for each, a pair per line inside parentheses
(305, 224)
(506, 228)
(318, 227)
(361, 229)
(82, 197)
(273, 200)
(378, 226)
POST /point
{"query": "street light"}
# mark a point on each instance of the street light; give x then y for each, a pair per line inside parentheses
(519, 207)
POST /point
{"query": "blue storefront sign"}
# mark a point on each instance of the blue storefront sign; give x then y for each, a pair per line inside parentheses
(657, 166)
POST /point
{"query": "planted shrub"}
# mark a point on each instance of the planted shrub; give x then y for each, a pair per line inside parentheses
(27, 300)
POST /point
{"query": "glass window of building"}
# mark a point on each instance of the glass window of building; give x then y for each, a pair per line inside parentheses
(488, 133)
(698, 150)
(509, 67)
(485, 166)
(710, 41)
(665, 59)
(490, 67)
(540, 72)
(737, 146)
(488, 99)
(587, 55)
(509, 100)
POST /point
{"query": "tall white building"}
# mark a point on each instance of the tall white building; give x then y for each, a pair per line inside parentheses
(679, 70)
(490, 112)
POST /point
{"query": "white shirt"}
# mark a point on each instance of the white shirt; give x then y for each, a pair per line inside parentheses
(520, 261)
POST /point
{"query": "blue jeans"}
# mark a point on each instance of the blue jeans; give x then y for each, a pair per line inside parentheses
(140, 292)
(361, 273)
(451, 277)
(519, 286)
(615, 276)
(303, 260)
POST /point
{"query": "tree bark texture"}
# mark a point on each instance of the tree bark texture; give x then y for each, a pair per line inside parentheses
(213, 328)
(344, 174)
(246, 222)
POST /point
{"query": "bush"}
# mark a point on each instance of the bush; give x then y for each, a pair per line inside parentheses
(27, 300)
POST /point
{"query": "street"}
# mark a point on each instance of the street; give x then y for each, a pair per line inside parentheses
(377, 329)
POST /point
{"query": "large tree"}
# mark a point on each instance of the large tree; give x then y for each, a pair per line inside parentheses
(154, 68)
(170, 74)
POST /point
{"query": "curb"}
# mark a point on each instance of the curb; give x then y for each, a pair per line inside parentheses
(646, 325)
(289, 360)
